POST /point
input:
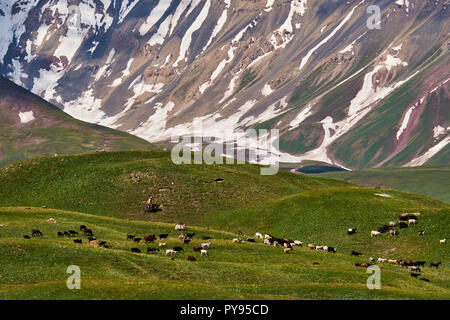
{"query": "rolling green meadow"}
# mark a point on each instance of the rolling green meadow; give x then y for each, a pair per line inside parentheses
(108, 191)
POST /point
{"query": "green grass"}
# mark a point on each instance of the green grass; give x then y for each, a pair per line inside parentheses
(36, 268)
(431, 181)
(107, 192)
(119, 184)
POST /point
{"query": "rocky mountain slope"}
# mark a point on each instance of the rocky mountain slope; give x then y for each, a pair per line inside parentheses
(339, 91)
(31, 127)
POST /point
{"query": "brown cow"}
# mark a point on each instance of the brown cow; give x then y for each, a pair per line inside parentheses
(149, 237)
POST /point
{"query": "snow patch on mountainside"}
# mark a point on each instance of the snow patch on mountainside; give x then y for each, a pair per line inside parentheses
(421, 160)
(187, 38)
(305, 113)
(26, 117)
(405, 121)
(155, 15)
(327, 38)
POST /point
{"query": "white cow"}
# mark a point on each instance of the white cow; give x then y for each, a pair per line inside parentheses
(267, 242)
(170, 251)
(442, 241)
(298, 243)
(203, 252)
(375, 233)
(259, 235)
(180, 226)
(412, 221)
(206, 244)
(381, 260)
(162, 244)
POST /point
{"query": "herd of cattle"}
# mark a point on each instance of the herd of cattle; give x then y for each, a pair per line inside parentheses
(405, 220)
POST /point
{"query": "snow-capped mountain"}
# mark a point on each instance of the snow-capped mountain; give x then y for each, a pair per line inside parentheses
(342, 85)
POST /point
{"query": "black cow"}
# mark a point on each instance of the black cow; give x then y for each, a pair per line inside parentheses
(60, 234)
(206, 237)
(150, 238)
(153, 250)
(66, 234)
(130, 237)
(425, 279)
(163, 236)
(26, 237)
(178, 249)
(251, 240)
(82, 227)
(435, 264)
(356, 253)
(87, 232)
(36, 233)
(77, 240)
(136, 250)
(92, 238)
(190, 235)
(137, 239)
(415, 275)
(73, 233)
(332, 249)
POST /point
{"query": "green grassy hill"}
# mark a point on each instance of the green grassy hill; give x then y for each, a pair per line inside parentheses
(107, 192)
(431, 181)
(52, 131)
(36, 268)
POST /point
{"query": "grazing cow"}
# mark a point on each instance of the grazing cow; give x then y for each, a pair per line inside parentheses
(73, 233)
(170, 251)
(197, 248)
(384, 229)
(251, 240)
(351, 231)
(371, 259)
(287, 250)
(152, 250)
(206, 244)
(319, 248)
(421, 233)
(415, 275)
(149, 238)
(178, 249)
(424, 279)
(381, 260)
(298, 243)
(26, 237)
(92, 238)
(137, 239)
(442, 241)
(392, 224)
(355, 253)
(364, 265)
(87, 232)
(412, 221)
(392, 261)
(180, 226)
(206, 237)
(36, 233)
(435, 264)
(414, 268)
(82, 227)
(331, 249)
(163, 236)
(162, 244)
(259, 235)
(311, 246)
(130, 236)
(77, 240)
(406, 216)
(375, 233)
(191, 258)
(267, 236)
(136, 250)
(203, 252)
(66, 233)
(190, 235)
(102, 243)
(393, 232)
(267, 242)
(403, 225)
(186, 241)
(235, 240)
(60, 234)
